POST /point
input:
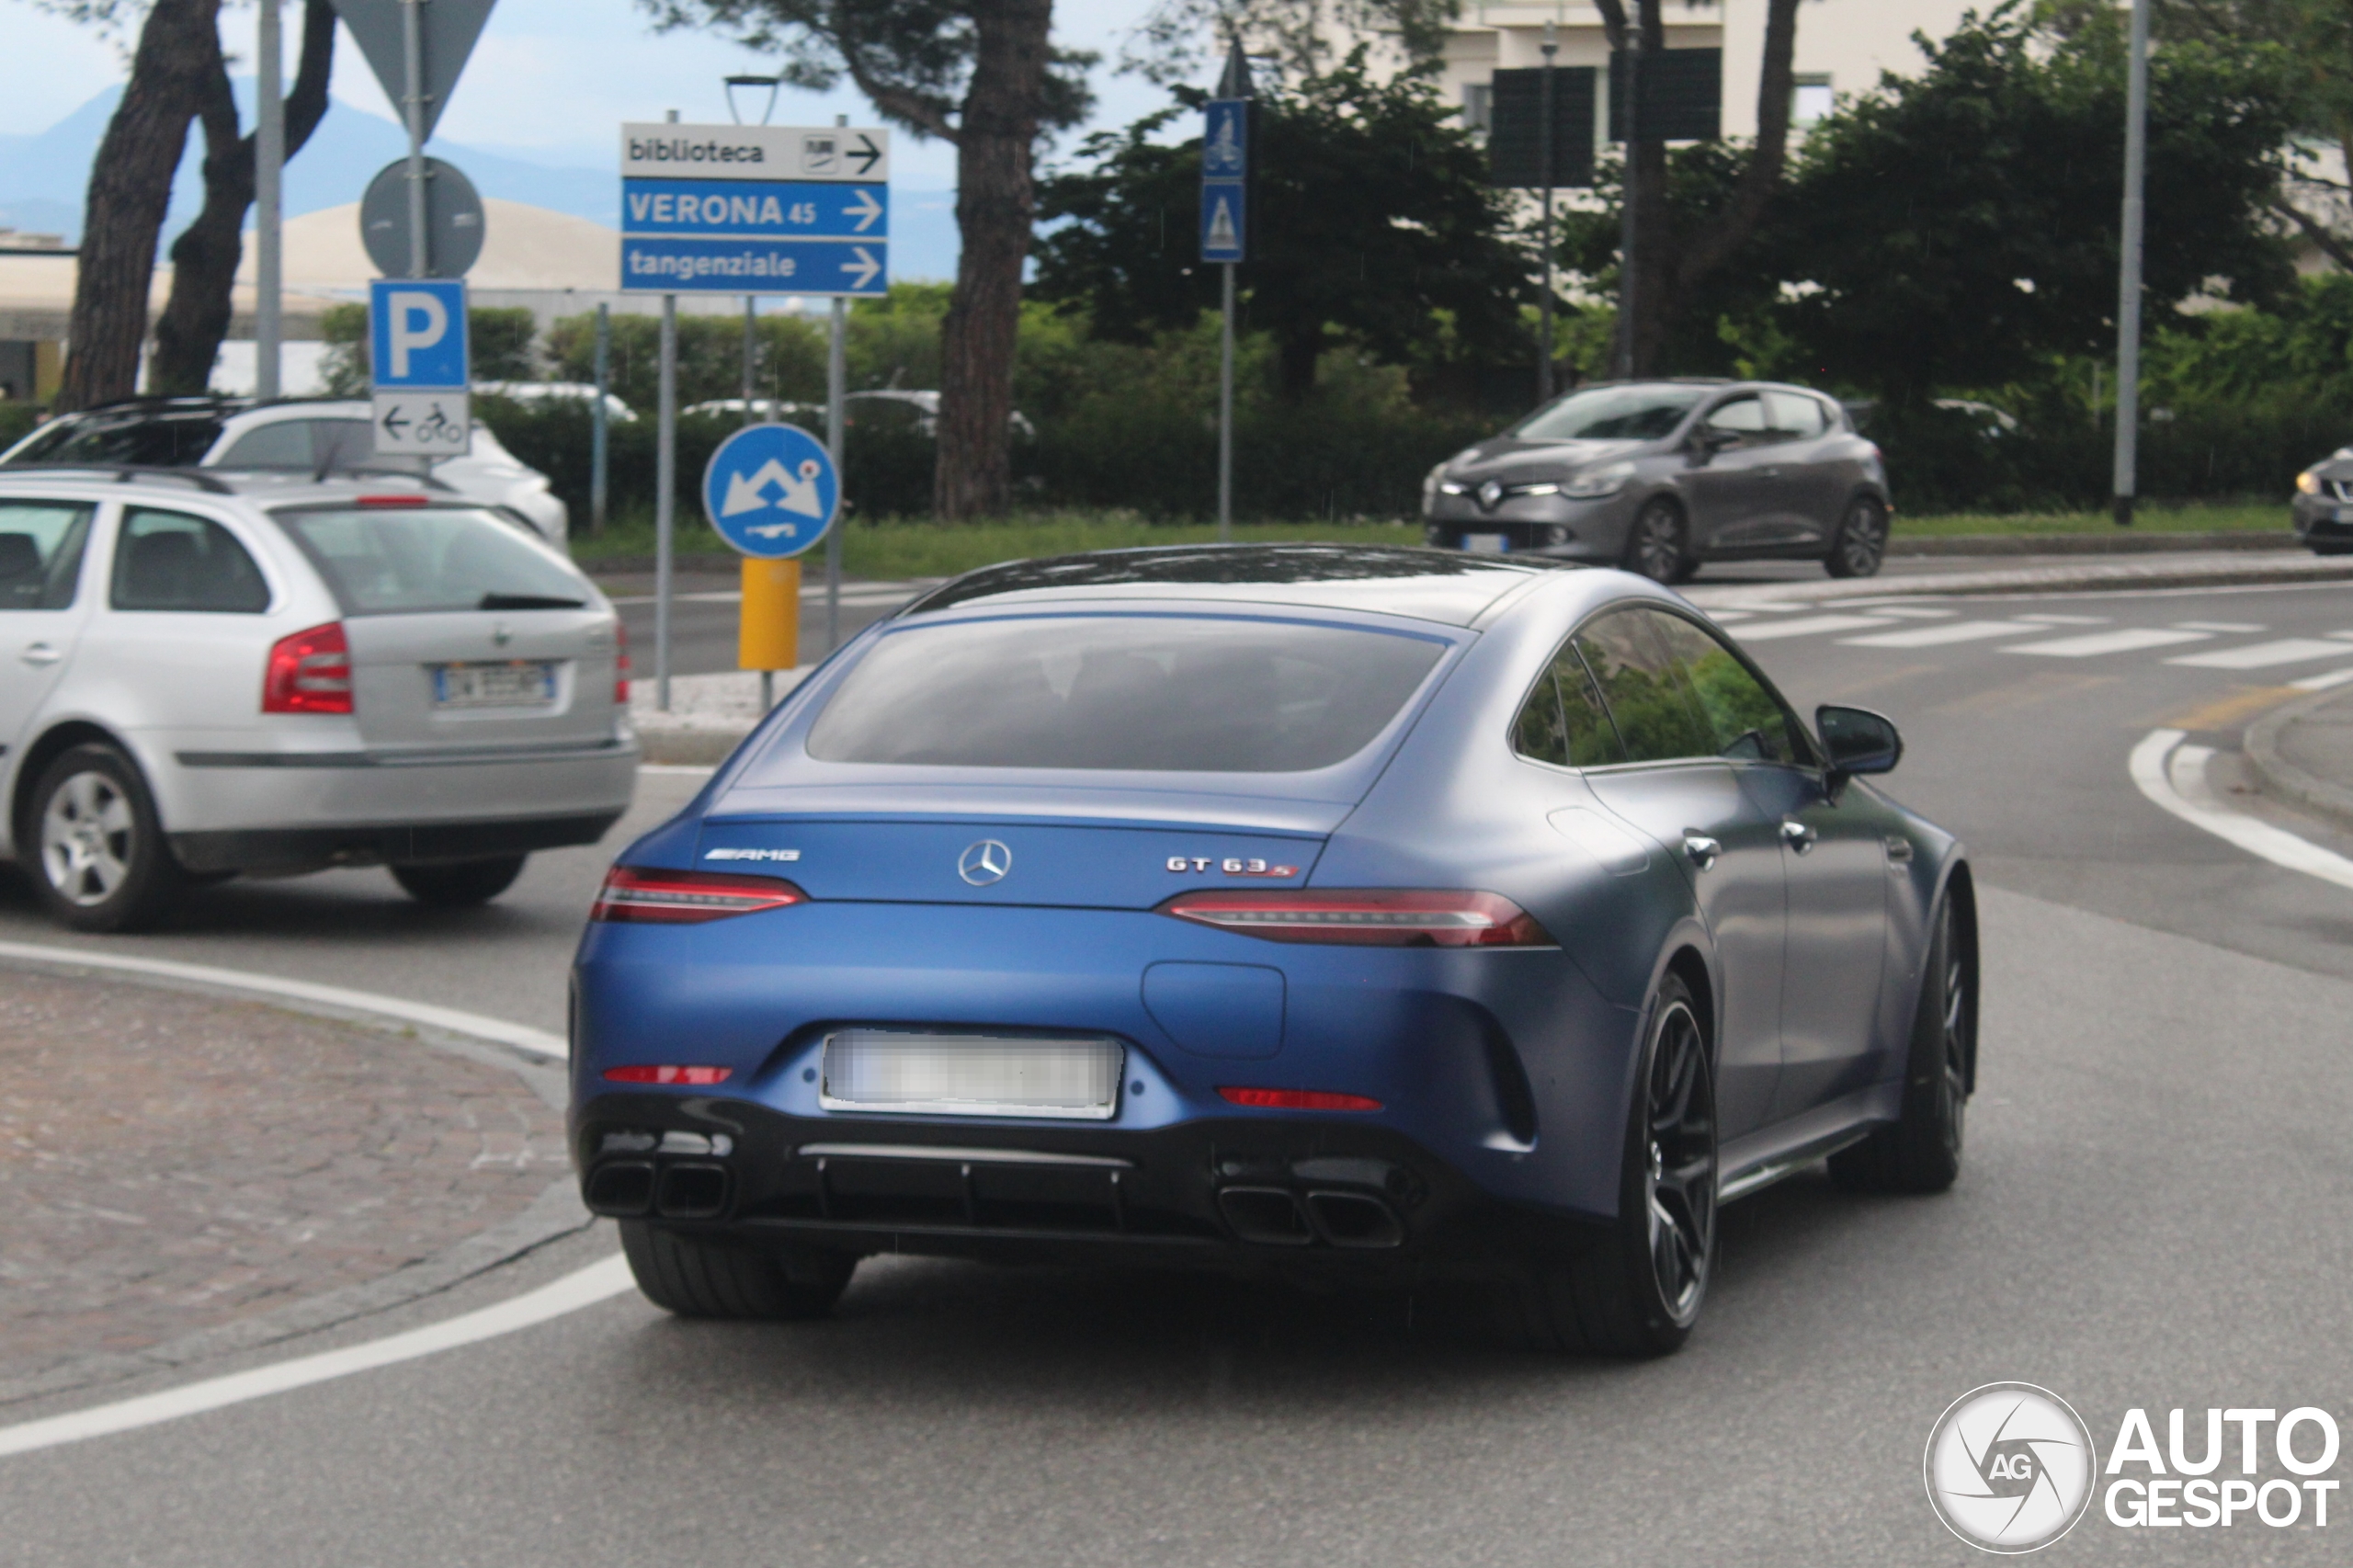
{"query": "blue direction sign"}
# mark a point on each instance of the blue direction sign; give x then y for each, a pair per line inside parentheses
(736, 208)
(771, 491)
(663, 265)
(1225, 173)
(417, 333)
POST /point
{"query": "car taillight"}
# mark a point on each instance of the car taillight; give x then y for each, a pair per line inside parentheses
(620, 665)
(650, 1072)
(687, 898)
(374, 501)
(1295, 1099)
(1377, 917)
(309, 673)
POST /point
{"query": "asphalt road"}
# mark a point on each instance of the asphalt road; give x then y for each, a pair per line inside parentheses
(2151, 1216)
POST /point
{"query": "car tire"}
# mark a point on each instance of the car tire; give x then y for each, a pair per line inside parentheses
(99, 858)
(1920, 1151)
(695, 1277)
(1637, 1289)
(1860, 544)
(2334, 547)
(1655, 546)
(460, 885)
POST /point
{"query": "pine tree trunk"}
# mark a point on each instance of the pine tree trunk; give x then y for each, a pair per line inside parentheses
(205, 258)
(995, 204)
(131, 187)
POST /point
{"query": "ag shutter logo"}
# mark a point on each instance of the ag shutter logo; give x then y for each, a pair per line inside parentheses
(2009, 1468)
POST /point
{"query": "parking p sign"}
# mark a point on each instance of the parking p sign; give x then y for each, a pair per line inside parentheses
(417, 361)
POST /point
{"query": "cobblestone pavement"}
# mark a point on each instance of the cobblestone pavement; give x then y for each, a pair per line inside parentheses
(170, 1162)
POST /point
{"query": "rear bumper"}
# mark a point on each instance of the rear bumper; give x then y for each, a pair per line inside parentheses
(382, 844)
(1265, 1195)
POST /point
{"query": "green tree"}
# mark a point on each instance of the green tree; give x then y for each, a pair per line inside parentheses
(982, 76)
(1370, 213)
(1958, 229)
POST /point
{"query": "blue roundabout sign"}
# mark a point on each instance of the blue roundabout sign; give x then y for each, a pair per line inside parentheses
(771, 491)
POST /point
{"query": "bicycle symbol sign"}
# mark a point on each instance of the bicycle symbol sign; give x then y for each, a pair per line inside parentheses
(429, 424)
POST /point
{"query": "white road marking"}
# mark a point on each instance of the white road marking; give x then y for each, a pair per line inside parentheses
(2219, 626)
(584, 1288)
(2287, 651)
(2340, 636)
(2323, 682)
(1934, 636)
(2096, 643)
(676, 770)
(2180, 787)
(1915, 612)
(2064, 619)
(1810, 626)
(1727, 616)
(522, 1037)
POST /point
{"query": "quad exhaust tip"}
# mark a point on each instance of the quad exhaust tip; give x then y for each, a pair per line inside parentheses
(1275, 1216)
(630, 1189)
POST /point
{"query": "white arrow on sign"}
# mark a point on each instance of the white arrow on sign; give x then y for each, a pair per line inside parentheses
(863, 269)
(866, 209)
(746, 493)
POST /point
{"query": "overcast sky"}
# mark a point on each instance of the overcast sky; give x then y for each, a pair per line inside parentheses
(551, 80)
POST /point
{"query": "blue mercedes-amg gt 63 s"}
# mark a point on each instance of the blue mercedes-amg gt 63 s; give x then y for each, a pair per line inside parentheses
(1383, 915)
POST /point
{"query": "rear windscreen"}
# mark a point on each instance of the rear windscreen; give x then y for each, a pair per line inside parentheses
(1122, 692)
(395, 560)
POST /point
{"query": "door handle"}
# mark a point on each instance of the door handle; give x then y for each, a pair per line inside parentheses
(1702, 850)
(1797, 835)
(40, 654)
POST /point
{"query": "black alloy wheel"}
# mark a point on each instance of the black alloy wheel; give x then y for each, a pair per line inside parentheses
(1860, 544)
(1655, 546)
(1637, 1291)
(98, 851)
(1921, 1153)
(460, 885)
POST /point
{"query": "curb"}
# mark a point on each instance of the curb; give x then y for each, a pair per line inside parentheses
(2087, 578)
(699, 746)
(2122, 542)
(557, 1212)
(2280, 776)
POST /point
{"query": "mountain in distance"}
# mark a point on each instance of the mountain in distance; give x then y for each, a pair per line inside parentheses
(44, 176)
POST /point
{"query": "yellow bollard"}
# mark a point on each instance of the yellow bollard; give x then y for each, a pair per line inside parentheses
(768, 631)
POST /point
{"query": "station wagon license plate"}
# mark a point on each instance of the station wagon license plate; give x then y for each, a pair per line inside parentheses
(950, 1074)
(507, 683)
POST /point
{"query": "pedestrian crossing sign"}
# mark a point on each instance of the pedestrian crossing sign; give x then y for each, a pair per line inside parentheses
(1221, 222)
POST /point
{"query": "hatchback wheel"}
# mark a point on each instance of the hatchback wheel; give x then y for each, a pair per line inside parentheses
(1655, 544)
(104, 864)
(1637, 1291)
(1860, 543)
(462, 885)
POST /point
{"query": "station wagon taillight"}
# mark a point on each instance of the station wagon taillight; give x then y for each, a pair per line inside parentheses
(638, 895)
(309, 673)
(1372, 917)
(620, 665)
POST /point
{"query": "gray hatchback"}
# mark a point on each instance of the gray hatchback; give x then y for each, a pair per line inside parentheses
(1660, 476)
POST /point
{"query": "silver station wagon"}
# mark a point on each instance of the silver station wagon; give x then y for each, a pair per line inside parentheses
(205, 674)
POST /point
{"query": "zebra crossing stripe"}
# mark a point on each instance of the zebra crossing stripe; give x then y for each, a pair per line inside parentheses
(2257, 655)
(2096, 642)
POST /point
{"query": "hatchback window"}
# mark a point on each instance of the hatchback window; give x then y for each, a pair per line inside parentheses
(172, 561)
(1123, 692)
(1636, 674)
(1611, 414)
(1744, 417)
(40, 553)
(1746, 721)
(1794, 418)
(143, 440)
(411, 561)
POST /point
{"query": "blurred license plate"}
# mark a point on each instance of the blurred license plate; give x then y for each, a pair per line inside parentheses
(522, 683)
(1486, 544)
(946, 1074)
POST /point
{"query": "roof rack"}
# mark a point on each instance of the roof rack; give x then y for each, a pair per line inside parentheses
(166, 401)
(123, 473)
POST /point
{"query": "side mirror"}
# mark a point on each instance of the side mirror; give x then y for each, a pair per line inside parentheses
(1705, 442)
(1857, 739)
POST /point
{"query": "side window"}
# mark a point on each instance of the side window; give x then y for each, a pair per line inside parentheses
(172, 561)
(1746, 721)
(285, 444)
(40, 553)
(1563, 723)
(1637, 679)
(1794, 417)
(1743, 416)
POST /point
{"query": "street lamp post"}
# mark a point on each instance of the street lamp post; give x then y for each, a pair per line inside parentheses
(2128, 294)
(1552, 47)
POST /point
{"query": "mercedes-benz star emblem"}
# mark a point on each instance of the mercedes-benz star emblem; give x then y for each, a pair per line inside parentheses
(984, 862)
(1489, 493)
(500, 635)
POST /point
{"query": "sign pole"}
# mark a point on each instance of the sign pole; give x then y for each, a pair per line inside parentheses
(836, 393)
(2128, 300)
(269, 164)
(1628, 200)
(420, 258)
(1225, 414)
(1544, 300)
(666, 499)
(600, 447)
(750, 352)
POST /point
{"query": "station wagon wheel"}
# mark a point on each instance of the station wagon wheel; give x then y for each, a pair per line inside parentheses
(103, 862)
(1655, 544)
(1860, 543)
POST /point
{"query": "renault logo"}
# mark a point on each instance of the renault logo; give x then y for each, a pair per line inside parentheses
(984, 862)
(1489, 493)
